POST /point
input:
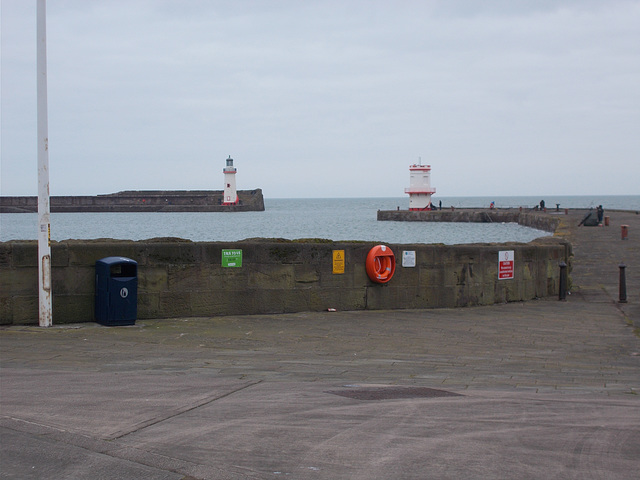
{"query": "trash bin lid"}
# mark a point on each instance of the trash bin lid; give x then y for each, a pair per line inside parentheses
(116, 261)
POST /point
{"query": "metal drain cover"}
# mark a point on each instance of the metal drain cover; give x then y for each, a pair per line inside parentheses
(392, 393)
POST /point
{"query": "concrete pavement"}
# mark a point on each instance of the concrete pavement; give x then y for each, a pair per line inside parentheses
(521, 390)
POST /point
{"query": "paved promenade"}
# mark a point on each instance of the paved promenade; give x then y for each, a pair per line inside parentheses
(542, 389)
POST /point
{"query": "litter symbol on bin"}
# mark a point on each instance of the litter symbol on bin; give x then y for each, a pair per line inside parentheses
(124, 292)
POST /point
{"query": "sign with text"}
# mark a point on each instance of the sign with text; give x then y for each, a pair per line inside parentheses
(506, 264)
(338, 261)
(409, 258)
(232, 258)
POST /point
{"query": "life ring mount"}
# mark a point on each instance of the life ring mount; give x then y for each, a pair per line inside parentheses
(380, 264)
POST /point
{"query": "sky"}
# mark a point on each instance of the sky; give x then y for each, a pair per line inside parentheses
(327, 98)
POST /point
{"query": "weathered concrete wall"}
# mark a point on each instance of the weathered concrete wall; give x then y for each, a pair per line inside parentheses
(141, 201)
(182, 278)
(539, 220)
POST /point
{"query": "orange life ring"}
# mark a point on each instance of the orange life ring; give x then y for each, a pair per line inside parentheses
(380, 264)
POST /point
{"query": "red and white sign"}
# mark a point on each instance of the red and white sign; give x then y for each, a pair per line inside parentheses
(505, 264)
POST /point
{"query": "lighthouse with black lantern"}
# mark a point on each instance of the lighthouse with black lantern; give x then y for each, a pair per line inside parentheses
(230, 195)
(420, 190)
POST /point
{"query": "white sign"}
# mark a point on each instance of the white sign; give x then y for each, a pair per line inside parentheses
(506, 264)
(409, 258)
(124, 292)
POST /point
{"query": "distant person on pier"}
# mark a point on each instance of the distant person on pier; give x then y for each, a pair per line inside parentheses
(542, 205)
(600, 212)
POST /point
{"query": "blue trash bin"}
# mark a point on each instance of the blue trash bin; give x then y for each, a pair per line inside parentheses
(116, 301)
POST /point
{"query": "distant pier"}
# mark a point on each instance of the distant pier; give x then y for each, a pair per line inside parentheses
(538, 220)
(141, 201)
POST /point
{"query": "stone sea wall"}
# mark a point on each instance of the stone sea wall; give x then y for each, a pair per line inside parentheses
(178, 278)
(546, 222)
(141, 201)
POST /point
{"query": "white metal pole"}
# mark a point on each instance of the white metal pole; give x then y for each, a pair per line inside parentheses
(44, 222)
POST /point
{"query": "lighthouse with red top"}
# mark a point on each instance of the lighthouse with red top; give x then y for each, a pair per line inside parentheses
(420, 190)
(230, 195)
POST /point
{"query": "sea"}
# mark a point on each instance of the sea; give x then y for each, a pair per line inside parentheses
(326, 218)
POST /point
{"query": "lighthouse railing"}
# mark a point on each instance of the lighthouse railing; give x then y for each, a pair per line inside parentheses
(419, 190)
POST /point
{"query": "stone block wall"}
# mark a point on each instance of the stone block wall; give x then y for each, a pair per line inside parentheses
(141, 201)
(546, 222)
(179, 278)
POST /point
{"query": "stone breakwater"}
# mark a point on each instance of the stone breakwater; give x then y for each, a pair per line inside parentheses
(141, 201)
(537, 220)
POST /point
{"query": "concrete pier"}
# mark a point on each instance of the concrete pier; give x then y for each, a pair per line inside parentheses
(543, 389)
(533, 219)
(141, 201)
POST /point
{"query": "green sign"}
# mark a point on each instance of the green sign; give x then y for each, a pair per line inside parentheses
(232, 258)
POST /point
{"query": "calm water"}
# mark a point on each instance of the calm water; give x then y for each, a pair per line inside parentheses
(335, 219)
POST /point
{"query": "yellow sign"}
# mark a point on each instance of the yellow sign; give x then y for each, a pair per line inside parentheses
(338, 261)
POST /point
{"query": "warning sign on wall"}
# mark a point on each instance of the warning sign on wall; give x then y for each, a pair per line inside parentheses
(505, 264)
(338, 261)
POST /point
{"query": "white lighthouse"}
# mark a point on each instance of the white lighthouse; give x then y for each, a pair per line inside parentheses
(230, 195)
(420, 190)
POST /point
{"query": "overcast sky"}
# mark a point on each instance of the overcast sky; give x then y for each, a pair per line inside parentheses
(326, 98)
